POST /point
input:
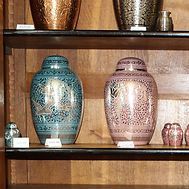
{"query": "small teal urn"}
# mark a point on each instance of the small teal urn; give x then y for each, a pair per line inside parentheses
(56, 101)
(11, 131)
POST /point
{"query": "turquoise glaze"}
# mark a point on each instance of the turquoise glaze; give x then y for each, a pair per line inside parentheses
(56, 101)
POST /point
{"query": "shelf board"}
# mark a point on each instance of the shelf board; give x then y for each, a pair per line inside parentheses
(98, 152)
(78, 186)
(96, 39)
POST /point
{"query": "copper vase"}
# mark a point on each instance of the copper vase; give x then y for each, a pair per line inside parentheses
(137, 13)
(55, 14)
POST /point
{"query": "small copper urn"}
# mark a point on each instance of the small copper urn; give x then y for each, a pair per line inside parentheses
(55, 14)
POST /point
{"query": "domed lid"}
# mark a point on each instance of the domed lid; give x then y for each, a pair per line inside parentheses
(11, 125)
(131, 63)
(55, 61)
(167, 125)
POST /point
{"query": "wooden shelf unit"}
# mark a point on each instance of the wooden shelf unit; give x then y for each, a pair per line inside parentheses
(99, 152)
(96, 39)
(95, 186)
(148, 167)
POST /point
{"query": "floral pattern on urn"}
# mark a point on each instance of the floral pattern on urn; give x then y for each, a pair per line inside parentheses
(131, 102)
(56, 101)
(187, 135)
(55, 14)
(165, 133)
(175, 135)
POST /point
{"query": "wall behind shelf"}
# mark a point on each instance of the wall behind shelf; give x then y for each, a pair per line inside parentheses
(94, 66)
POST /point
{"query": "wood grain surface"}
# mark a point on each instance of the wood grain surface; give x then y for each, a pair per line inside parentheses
(169, 68)
(2, 109)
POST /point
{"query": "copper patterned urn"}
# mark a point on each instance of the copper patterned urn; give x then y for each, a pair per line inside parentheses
(55, 14)
(131, 102)
(187, 135)
(165, 133)
(175, 135)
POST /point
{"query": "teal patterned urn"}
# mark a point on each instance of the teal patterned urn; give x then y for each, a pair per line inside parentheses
(56, 101)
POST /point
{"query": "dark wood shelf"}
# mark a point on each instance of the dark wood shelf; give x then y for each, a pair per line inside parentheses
(99, 152)
(96, 39)
(78, 186)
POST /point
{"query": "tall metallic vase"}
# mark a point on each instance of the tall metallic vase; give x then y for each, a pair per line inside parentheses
(56, 101)
(131, 102)
(55, 14)
(137, 13)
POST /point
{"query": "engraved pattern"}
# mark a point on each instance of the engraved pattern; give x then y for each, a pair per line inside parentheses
(137, 13)
(175, 135)
(51, 14)
(165, 133)
(187, 135)
(131, 105)
(56, 101)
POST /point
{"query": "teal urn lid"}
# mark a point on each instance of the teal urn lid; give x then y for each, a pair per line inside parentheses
(55, 61)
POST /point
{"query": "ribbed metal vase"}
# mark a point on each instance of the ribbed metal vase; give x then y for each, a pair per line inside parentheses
(55, 14)
(137, 13)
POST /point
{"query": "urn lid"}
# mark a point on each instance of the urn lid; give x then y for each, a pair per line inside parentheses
(131, 63)
(164, 13)
(175, 125)
(11, 125)
(167, 125)
(55, 61)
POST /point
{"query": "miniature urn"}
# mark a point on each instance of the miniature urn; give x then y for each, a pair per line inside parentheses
(11, 131)
(175, 135)
(165, 133)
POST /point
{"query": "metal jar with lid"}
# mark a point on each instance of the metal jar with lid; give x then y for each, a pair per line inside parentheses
(11, 131)
(164, 21)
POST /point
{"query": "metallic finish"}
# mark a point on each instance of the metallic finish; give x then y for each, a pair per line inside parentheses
(56, 101)
(11, 131)
(55, 14)
(164, 21)
(175, 135)
(130, 101)
(131, 13)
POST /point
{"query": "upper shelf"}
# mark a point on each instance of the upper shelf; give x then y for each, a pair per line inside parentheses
(96, 39)
(99, 152)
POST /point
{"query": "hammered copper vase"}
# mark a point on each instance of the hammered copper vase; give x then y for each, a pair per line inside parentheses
(131, 102)
(55, 14)
(137, 13)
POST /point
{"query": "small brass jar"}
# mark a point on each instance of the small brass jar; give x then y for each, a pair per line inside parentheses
(164, 21)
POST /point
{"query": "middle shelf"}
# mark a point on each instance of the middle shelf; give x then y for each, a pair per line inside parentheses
(96, 39)
(99, 152)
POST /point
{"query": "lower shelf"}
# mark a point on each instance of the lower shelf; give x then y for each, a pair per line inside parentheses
(66, 186)
(99, 152)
